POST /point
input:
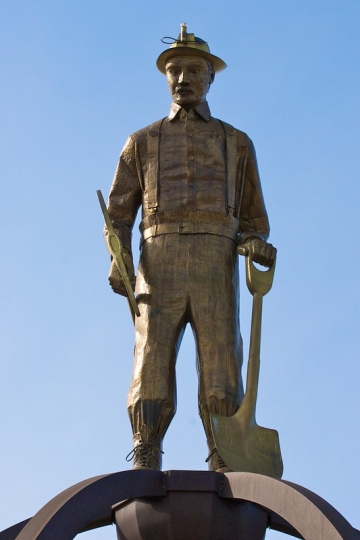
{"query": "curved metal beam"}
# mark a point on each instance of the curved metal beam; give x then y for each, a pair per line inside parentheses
(310, 515)
(90, 501)
(87, 505)
(11, 532)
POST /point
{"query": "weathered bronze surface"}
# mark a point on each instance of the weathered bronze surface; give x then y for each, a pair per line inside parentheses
(196, 180)
(242, 444)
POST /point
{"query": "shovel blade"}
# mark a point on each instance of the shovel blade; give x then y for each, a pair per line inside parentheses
(247, 447)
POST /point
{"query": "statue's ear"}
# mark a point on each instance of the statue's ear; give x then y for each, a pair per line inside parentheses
(212, 76)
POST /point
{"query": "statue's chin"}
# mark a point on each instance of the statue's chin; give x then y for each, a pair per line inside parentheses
(187, 101)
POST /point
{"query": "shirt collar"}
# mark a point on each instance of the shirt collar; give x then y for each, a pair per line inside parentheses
(202, 110)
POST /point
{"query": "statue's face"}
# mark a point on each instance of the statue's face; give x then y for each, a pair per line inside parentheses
(189, 79)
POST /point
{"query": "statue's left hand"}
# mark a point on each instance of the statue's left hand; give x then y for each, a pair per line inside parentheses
(263, 253)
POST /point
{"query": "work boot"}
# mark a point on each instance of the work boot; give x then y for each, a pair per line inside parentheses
(147, 453)
(216, 462)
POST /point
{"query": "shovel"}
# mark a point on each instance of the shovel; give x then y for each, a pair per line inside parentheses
(242, 444)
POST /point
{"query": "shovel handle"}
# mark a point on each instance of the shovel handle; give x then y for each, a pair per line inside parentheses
(258, 281)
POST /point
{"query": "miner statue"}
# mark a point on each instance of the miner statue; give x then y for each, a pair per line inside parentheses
(196, 180)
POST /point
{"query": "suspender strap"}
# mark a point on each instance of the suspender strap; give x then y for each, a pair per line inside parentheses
(153, 160)
(242, 176)
(231, 163)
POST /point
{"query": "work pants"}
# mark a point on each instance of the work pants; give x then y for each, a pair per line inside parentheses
(186, 278)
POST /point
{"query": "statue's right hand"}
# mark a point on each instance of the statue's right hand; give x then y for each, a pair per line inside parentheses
(115, 279)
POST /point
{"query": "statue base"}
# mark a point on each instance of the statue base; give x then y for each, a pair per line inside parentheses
(182, 514)
(179, 505)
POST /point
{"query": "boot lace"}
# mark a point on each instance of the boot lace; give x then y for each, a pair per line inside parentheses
(215, 453)
(143, 453)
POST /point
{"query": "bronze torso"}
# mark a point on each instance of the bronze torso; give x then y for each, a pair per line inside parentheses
(186, 163)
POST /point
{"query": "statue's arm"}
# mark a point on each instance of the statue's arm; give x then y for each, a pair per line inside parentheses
(253, 219)
(125, 193)
(124, 202)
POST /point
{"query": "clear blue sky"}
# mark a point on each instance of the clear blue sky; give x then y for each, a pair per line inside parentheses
(77, 77)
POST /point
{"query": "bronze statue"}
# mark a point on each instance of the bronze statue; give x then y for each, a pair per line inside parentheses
(197, 182)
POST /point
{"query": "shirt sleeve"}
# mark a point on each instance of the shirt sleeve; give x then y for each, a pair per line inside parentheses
(125, 193)
(253, 219)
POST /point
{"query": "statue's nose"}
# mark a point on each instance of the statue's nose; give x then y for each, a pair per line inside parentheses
(183, 77)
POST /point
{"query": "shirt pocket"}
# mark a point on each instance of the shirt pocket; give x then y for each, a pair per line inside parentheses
(212, 151)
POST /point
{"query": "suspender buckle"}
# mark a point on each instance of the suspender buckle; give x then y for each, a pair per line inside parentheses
(186, 227)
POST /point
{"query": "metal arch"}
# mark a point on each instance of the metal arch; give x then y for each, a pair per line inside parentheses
(87, 505)
(12, 532)
(310, 515)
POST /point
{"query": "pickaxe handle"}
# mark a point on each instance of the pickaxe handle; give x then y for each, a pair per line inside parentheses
(116, 250)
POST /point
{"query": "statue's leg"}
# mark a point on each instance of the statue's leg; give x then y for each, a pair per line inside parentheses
(162, 300)
(214, 302)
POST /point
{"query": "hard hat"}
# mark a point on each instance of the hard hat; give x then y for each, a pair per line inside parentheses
(188, 44)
